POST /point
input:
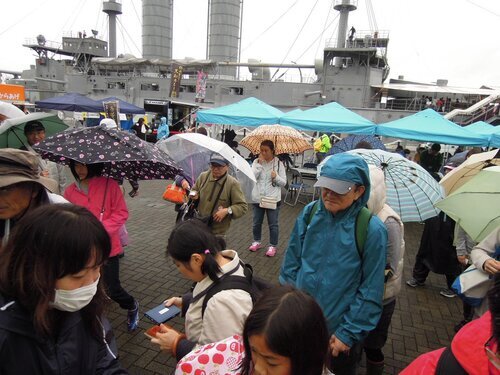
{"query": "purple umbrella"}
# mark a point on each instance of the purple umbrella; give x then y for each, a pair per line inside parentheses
(123, 154)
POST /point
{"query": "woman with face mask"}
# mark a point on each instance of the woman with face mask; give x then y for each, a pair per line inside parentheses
(51, 297)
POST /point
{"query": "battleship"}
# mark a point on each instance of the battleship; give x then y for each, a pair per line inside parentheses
(354, 71)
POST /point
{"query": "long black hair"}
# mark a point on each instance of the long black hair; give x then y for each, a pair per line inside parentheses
(195, 237)
(48, 243)
(293, 326)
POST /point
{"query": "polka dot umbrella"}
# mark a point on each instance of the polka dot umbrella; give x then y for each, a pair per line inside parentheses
(124, 155)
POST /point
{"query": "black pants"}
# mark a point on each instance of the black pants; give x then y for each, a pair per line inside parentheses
(421, 271)
(377, 338)
(346, 363)
(113, 285)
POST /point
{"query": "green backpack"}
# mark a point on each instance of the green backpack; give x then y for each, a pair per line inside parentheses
(361, 227)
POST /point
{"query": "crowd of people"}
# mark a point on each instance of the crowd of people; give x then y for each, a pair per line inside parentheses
(333, 300)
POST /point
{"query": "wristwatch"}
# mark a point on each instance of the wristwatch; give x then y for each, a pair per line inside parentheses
(229, 211)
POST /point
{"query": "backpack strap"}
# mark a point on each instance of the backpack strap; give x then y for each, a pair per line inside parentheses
(227, 283)
(361, 227)
(448, 364)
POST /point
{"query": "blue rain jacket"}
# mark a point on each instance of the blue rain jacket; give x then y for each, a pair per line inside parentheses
(163, 130)
(322, 258)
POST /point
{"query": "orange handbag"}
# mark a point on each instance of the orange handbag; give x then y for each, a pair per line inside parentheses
(175, 194)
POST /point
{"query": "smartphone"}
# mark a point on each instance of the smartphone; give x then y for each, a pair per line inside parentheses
(151, 333)
(161, 314)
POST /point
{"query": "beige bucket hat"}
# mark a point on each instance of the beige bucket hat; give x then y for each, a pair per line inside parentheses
(22, 166)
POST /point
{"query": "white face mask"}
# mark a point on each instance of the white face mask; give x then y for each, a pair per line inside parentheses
(76, 299)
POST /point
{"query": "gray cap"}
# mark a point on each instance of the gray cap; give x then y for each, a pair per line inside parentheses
(218, 159)
(22, 166)
(337, 186)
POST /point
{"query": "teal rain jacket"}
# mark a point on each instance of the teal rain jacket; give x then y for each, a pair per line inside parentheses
(163, 130)
(322, 258)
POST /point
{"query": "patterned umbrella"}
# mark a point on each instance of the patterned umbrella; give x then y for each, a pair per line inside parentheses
(124, 154)
(286, 139)
(350, 143)
(411, 190)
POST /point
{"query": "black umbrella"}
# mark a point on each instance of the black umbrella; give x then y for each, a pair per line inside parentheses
(124, 154)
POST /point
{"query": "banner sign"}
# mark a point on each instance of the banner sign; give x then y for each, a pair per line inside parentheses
(112, 111)
(175, 80)
(201, 87)
(12, 93)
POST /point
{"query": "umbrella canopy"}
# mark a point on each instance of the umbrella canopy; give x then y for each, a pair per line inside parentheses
(481, 127)
(124, 154)
(191, 151)
(411, 190)
(71, 102)
(286, 140)
(430, 126)
(331, 117)
(247, 112)
(468, 169)
(12, 130)
(350, 143)
(124, 106)
(475, 206)
(10, 110)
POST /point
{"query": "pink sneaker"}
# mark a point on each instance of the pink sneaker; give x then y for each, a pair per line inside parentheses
(271, 251)
(255, 246)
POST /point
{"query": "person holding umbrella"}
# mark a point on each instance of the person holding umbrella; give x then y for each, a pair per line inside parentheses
(271, 176)
(103, 197)
(35, 132)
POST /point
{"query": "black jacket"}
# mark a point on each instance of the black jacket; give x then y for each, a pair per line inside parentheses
(74, 351)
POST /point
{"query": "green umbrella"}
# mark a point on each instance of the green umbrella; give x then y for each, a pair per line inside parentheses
(12, 129)
(475, 206)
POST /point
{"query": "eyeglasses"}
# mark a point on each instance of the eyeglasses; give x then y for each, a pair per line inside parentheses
(492, 355)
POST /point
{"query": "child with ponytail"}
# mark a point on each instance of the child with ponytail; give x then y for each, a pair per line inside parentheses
(199, 256)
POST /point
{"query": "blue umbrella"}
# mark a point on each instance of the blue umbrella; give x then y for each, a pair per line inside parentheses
(350, 143)
(411, 190)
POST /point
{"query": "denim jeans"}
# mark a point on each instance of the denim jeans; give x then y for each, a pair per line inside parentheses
(272, 221)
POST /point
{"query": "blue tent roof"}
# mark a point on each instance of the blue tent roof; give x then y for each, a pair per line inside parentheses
(331, 117)
(124, 106)
(247, 112)
(430, 126)
(71, 102)
(481, 127)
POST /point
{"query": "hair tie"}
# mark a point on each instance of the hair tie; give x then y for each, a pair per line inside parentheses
(207, 251)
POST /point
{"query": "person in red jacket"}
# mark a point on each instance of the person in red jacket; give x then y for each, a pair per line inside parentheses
(103, 197)
(474, 349)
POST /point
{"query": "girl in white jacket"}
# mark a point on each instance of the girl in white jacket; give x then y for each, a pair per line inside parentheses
(198, 255)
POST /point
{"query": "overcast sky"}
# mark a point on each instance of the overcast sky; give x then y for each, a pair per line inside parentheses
(429, 39)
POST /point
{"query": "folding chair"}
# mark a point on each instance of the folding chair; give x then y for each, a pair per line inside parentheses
(296, 188)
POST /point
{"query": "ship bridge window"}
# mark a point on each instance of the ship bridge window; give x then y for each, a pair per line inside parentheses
(116, 85)
(187, 88)
(150, 87)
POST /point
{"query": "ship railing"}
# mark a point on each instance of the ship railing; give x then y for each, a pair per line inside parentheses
(46, 43)
(362, 39)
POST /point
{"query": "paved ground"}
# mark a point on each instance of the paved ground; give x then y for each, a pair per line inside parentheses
(423, 320)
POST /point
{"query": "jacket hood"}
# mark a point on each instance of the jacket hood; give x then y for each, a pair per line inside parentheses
(377, 197)
(351, 168)
(163, 120)
(14, 318)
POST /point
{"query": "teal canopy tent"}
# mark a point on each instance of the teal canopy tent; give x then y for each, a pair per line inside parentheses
(430, 126)
(482, 128)
(495, 139)
(331, 117)
(247, 112)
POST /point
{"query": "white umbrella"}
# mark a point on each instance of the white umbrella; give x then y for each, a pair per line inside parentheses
(10, 110)
(192, 153)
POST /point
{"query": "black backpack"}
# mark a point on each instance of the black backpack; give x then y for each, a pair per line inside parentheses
(249, 283)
